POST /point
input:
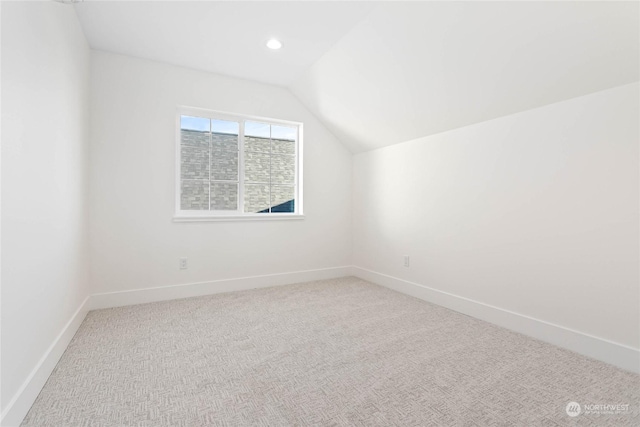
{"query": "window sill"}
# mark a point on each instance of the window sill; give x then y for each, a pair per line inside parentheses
(216, 218)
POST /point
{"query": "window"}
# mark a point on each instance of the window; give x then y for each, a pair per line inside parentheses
(233, 166)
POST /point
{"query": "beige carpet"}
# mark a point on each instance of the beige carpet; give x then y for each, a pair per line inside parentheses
(335, 352)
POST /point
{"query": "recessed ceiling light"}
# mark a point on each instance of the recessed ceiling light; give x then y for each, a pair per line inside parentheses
(274, 44)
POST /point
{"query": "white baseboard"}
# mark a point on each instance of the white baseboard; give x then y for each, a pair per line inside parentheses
(21, 402)
(616, 354)
(165, 293)
(613, 353)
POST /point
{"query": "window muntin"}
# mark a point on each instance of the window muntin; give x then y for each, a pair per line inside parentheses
(237, 166)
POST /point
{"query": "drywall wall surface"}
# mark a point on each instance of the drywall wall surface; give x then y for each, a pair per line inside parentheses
(45, 100)
(134, 242)
(536, 213)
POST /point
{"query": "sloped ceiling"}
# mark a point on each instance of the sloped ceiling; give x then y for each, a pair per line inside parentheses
(382, 73)
(222, 37)
(410, 70)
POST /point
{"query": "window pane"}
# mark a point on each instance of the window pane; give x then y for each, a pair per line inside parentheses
(224, 197)
(194, 195)
(194, 162)
(210, 165)
(225, 127)
(224, 135)
(256, 167)
(224, 142)
(282, 198)
(194, 131)
(194, 123)
(283, 132)
(281, 146)
(194, 138)
(283, 169)
(252, 143)
(224, 165)
(262, 130)
(256, 198)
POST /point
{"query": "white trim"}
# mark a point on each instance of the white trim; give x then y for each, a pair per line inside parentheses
(233, 117)
(616, 354)
(241, 164)
(299, 208)
(247, 217)
(188, 290)
(21, 402)
(620, 355)
(185, 215)
(177, 166)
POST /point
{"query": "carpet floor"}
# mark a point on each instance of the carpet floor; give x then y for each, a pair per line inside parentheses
(334, 352)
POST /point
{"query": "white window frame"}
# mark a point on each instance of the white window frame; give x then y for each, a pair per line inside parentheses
(201, 215)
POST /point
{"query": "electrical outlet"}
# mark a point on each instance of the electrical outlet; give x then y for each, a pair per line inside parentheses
(183, 263)
(406, 260)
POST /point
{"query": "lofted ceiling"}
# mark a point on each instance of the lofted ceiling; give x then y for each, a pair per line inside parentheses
(221, 37)
(382, 73)
(416, 69)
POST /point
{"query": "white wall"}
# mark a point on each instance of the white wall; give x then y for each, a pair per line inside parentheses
(536, 213)
(135, 244)
(45, 83)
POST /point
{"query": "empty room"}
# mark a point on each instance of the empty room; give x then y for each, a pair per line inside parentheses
(319, 213)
